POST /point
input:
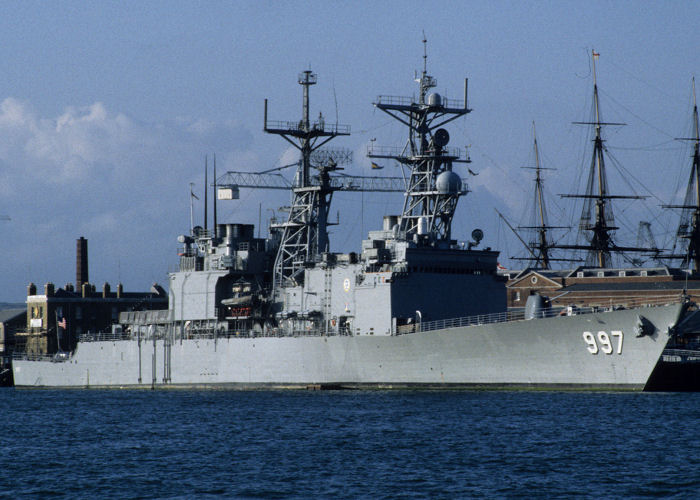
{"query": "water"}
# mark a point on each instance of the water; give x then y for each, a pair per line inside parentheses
(347, 444)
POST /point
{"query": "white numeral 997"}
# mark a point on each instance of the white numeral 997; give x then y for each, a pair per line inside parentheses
(603, 342)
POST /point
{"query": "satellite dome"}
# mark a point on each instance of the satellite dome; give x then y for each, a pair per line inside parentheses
(434, 99)
(448, 183)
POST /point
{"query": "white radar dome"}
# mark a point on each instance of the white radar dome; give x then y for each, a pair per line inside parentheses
(448, 183)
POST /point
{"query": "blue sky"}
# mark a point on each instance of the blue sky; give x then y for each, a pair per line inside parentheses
(108, 108)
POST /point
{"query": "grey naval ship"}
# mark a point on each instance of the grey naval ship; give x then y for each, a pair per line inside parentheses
(416, 307)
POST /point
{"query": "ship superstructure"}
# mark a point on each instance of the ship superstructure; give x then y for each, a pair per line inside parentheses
(373, 292)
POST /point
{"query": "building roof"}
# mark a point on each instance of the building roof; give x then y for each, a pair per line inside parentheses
(10, 314)
(628, 286)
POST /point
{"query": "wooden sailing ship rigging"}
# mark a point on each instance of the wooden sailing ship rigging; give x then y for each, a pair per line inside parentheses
(687, 246)
(596, 225)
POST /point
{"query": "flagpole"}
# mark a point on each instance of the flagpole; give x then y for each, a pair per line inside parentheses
(58, 341)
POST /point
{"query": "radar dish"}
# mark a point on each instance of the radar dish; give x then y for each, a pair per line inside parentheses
(441, 137)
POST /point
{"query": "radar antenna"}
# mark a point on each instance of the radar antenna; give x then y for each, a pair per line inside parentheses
(433, 188)
(305, 233)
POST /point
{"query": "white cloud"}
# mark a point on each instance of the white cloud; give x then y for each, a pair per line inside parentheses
(96, 173)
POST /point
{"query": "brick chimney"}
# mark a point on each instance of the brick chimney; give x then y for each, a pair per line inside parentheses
(81, 263)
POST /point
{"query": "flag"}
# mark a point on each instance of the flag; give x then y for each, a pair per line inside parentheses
(376, 167)
(498, 264)
(62, 323)
(595, 55)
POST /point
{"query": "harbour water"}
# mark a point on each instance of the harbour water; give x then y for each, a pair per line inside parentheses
(347, 444)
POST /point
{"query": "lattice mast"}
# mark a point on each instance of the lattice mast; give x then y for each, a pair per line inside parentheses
(597, 215)
(433, 189)
(305, 233)
(689, 226)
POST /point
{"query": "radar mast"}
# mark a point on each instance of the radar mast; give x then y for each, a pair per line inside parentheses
(433, 188)
(305, 233)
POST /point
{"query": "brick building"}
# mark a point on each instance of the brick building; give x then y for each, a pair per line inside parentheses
(56, 318)
(601, 287)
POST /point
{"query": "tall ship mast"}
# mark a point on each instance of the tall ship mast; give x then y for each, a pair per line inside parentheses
(597, 222)
(541, 244)
(688, 233)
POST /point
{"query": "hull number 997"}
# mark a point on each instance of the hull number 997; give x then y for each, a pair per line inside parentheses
(604, 342)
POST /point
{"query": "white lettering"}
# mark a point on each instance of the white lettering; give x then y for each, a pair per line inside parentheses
(590, 340)
(618, 333)
(603, 342)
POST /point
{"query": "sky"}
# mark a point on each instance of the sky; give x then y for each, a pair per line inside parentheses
(107, 110)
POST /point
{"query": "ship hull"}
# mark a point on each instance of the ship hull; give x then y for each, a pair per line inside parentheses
(544, 352)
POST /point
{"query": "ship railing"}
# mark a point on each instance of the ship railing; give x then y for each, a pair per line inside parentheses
(395, 100)
(103, 336)
(35, 356)
(682, 355)
(299, 126)
(614, 304)
(480, 319)
(381, 151)
(144, 317)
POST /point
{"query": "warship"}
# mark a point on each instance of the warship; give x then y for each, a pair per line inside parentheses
(415, 307)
